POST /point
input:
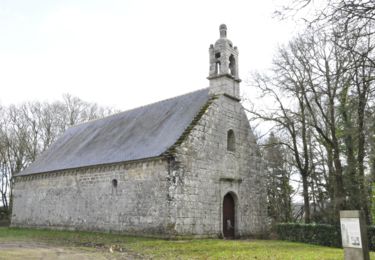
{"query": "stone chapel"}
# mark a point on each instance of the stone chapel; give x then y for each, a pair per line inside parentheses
(183, 167)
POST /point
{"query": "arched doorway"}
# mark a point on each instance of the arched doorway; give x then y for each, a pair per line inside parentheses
(228, 216)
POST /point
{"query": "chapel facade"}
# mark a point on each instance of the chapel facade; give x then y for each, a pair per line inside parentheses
(183, 167)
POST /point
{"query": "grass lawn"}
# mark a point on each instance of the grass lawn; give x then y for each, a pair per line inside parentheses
(114, 246)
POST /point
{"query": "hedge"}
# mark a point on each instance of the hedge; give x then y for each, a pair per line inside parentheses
(4, 213)
(371, 237)
(4, 217)
(317, 234)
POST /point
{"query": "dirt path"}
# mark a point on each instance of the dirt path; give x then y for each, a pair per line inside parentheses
(34, 250)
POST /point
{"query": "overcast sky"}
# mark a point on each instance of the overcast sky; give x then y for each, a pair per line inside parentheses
(126, 53)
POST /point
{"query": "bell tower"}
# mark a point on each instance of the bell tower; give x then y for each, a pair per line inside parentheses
(223, 73)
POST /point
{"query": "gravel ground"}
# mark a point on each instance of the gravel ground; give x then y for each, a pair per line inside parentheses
(31, 250)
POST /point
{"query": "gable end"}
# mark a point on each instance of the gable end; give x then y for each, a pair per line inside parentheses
(171, 151)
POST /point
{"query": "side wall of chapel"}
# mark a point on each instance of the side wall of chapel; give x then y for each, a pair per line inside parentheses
(87, 199)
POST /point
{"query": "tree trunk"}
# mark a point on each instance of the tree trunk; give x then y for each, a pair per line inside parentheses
(306, 201)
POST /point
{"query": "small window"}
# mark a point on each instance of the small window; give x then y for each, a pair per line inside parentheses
(231, 141)
(217, 55)
(114, 183)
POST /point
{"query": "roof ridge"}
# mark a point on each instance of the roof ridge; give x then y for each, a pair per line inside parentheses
(135, 108)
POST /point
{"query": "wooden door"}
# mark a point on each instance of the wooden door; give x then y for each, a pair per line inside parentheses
(228, 216)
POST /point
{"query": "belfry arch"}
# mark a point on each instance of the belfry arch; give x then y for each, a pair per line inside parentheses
(232, 66)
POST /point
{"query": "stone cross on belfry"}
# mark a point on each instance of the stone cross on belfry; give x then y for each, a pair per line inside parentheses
(223, 71)
(223, 31)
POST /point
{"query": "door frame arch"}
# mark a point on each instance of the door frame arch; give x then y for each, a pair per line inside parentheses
(236, 213)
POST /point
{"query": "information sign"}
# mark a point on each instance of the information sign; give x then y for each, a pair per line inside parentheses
(350, 232)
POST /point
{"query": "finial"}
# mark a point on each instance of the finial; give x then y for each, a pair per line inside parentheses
(223, 31)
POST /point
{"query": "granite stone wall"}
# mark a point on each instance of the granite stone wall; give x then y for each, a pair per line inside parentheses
(87, 199)
(208, 171)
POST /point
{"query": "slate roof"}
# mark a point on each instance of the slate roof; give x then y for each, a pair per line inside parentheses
(139, 133)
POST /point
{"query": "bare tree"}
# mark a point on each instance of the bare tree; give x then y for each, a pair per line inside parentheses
(326, 90)
(28, 129)
(290, 121)
(345, 12)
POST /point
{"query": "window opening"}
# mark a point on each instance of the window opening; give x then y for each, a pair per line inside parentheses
(114, 183)
(231, 142)
(217, 68)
